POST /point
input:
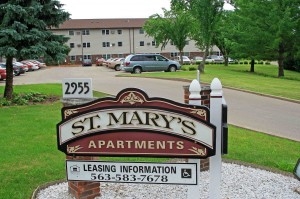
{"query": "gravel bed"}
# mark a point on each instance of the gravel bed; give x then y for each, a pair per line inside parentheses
(238, 182)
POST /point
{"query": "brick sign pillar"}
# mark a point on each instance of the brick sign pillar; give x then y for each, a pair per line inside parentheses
(205, 100)
(81, 189)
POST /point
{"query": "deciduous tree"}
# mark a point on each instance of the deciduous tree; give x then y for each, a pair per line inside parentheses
(206, 14)
(173, 26)
(267, 29)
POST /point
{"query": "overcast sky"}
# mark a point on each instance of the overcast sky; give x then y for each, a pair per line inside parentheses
(95, 9)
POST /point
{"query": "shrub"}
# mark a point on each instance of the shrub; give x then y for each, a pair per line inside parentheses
(4, 102)
(245, 62)
(184, 68)
(292, 63)
(192, 68)
(23, 99)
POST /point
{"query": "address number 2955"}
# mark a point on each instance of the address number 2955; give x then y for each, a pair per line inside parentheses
(77, 88)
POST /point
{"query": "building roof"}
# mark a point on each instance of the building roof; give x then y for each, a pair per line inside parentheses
(101, 23)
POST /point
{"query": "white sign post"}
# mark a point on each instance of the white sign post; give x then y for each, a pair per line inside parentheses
(132, 172)
(215, 162)
(195, 99)
(77, 88)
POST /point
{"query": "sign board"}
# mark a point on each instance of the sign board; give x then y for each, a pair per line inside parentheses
(77, 88)
(132, 124)
(132, 172)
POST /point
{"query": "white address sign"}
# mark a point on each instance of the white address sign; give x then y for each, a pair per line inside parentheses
(77, 88)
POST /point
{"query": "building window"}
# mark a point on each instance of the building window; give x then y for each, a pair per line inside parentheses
(72, 45)
(171, 43)
(187, 42)
(87, 56)
(106, 56)
(186, 54)
(71, 32)
(153, 43)
(72, 58)
(85, 32)
(142, 43)
(141, 31)
(119, 32)
(86, 45)
(105, 32)
(105, 44)
(174, 54)
(120, 43)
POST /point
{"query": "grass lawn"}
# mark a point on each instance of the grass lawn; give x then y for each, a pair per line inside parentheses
(29, 143)
(264, 80)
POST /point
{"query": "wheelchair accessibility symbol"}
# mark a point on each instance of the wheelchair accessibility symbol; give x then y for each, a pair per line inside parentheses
(186, 173)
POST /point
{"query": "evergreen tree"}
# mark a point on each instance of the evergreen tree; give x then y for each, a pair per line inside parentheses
(25, 33)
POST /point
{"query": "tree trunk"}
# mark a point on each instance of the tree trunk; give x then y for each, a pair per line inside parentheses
(8, 91)
(225, 60)
(280, 60)
(180, 56)
(252, 66)
(201, 66)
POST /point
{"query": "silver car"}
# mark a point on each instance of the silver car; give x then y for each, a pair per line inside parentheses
(137, 63)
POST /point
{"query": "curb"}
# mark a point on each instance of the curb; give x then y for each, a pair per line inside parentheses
(43, 186)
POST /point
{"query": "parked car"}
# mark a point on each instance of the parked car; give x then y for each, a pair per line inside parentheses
(87, 62)
(137, 63)
(197, 60)
(99, 62)
(214, 59)
(31, 66)
(116, 63)
(2, 73)
(230, 60)
(24, 66)
(39, 63)
(19, 68)
(106, 63)
(185, 60)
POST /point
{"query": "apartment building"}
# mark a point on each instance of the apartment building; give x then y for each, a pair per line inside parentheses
(96, 38)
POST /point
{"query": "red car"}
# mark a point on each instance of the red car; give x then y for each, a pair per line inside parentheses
(99, 62)
(31, 66)
(2, 73)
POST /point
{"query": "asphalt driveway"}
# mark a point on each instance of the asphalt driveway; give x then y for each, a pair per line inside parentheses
(256, 112)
